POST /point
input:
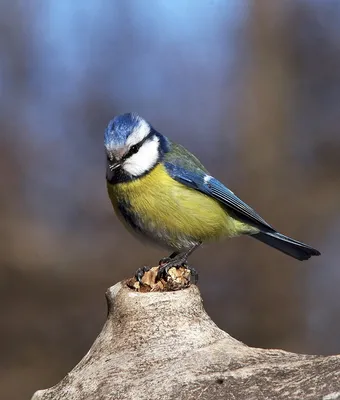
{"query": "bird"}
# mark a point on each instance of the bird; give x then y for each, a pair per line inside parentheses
(161, 192)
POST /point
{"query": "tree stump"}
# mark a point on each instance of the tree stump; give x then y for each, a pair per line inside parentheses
(161, 344)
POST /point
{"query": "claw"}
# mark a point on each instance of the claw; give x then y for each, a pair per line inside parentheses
(163, 270)
(193, 273)
(140, 273)
(176, 263)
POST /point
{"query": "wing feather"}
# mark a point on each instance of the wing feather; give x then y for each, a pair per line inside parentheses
(191, 173)
(221, 193)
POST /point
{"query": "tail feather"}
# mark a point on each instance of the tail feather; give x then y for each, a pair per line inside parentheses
(289, 246)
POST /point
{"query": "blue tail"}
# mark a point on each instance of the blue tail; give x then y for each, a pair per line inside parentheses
(289, 246)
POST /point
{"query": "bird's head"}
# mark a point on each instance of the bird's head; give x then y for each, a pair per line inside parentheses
(132, 146)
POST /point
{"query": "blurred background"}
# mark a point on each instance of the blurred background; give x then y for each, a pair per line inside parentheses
(251, 87)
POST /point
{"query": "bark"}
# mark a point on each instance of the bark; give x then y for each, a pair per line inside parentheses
(163, 345)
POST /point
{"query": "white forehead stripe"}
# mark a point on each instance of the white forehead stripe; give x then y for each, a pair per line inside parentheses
(144, 159)
(139, 133)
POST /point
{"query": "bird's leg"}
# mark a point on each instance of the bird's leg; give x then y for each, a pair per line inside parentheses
(140, 273)
(178, 260)
(165, 260)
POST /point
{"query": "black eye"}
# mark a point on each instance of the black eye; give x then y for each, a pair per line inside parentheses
(134, 149)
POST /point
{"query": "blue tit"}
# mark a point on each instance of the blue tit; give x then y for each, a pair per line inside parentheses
(162, 192)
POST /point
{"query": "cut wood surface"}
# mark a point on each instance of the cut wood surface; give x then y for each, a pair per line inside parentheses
(163, 345)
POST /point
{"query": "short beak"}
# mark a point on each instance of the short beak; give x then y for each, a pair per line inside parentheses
(114, 166)
(110, 170)
(115, 161)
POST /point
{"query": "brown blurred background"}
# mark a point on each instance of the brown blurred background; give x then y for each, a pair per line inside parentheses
(251, 87)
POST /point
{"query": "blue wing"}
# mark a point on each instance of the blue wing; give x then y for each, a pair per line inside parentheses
(199, 180)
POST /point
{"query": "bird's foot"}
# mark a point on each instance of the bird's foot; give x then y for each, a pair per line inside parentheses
(172, 256)
(176, 262)
(140, 273)
(164, 261)
(193, 273)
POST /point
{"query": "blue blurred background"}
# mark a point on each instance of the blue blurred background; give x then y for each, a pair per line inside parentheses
(251, 87)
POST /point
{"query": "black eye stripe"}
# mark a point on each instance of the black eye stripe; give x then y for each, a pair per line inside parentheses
(134, 149)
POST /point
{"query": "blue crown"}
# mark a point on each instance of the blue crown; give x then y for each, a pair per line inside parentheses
(119, 129)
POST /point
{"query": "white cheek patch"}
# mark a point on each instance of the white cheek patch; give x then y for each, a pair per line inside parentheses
(144, 159)
(140, 132)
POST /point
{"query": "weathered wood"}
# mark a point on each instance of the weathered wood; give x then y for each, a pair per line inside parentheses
(163, 345)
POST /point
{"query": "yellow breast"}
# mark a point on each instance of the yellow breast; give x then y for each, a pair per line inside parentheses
(168, 209)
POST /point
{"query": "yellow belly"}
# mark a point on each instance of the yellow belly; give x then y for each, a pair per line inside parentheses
(171, 212)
